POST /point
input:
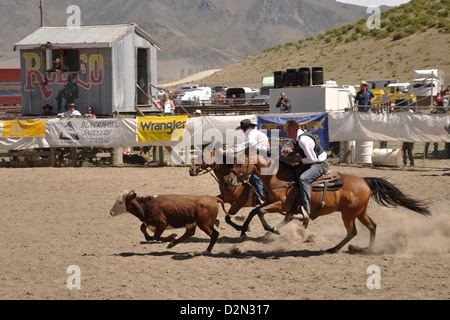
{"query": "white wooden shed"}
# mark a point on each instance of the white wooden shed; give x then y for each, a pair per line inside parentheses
(101, 66)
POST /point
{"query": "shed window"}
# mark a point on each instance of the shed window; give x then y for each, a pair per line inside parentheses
(62, 60)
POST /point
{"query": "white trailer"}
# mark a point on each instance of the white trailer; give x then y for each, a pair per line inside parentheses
(313, 99)
(428, 82)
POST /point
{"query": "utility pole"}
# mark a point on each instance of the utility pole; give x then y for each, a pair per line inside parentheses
(42, 12)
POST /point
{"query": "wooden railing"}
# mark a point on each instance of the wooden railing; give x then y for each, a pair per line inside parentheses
(7, 110)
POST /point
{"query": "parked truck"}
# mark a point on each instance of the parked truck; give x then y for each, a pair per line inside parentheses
(401, 94)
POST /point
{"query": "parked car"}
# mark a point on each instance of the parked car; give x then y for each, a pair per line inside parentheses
(219, 91)
(187, 87)
(219, 88)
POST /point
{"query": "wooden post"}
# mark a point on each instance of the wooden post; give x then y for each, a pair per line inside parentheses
(161, 156)
(73, 157)
(53, 157)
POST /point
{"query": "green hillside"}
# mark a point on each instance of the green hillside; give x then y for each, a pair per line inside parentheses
(412, 36)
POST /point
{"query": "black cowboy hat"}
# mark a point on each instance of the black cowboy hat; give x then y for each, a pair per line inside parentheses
(47, 106)
(245, 124)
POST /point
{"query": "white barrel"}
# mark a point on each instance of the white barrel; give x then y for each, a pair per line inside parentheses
(363, 152)
(387, 157)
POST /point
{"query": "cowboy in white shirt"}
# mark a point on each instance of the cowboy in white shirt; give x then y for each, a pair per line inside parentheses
(254, 140)
(71, 112)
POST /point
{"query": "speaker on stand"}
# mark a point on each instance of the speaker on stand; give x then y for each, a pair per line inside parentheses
(291, 78)
(304, 77)
(279, 77)
(317, 76)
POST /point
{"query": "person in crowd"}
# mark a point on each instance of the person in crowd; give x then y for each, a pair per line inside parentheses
(72, 112)
(166, 105)
(445, 103)
(407, 148)
(90, 113)
(59, 66)
(364, 98)
(314, 162)
(283, 103)
(438, 100)
(47, 111)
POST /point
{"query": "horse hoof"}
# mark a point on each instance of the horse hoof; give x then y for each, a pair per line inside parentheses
(305, 223)
(276, 231)
(354, 249)
(332, 251)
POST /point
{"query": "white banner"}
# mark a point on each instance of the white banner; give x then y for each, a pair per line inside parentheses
(403, 126)
(84, 132)
(346, 126)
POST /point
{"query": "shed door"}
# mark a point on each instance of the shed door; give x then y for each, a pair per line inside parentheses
(142, 76)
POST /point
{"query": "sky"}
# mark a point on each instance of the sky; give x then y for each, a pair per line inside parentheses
(367, 3)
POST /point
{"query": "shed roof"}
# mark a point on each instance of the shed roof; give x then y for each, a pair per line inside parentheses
(97, 36)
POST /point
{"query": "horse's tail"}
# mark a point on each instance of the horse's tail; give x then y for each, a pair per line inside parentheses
(388, 195)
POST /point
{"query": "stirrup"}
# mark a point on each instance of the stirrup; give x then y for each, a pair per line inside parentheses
(301, 214)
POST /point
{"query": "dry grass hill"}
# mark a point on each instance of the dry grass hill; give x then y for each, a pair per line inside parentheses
(413, 36)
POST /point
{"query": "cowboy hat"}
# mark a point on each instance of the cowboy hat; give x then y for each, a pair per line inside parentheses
(363, 83)
(47, 106)
(245, 124)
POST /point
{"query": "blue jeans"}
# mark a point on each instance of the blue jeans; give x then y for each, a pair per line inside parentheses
(310, 172)
(257, 183)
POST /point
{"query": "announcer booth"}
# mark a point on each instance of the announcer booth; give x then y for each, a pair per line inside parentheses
(98, 66)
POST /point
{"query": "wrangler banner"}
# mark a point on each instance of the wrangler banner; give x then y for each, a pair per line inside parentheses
(22, 129)
(316, 124)
(161, 128)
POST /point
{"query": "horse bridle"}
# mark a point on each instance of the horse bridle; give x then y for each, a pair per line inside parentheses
(243, 175)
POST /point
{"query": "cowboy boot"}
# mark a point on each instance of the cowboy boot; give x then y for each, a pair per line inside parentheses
(298, 211)
(301, 214)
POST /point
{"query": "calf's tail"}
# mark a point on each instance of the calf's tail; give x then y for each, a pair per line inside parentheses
(223, 206)
(388, 195)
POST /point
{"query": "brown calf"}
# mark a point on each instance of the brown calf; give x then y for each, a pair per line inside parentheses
(159, 213)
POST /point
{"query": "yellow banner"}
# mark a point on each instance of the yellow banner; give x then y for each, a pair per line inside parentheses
(161, 128)
(20, 129)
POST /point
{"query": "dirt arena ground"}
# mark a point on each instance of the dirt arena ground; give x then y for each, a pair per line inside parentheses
(53, 218)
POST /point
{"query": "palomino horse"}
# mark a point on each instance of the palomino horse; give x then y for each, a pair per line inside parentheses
(351, 199)
(238, 195)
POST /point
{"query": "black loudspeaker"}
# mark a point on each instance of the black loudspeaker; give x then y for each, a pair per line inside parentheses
(317, 76)
(279, 77)
(291, 78)
(304, 77)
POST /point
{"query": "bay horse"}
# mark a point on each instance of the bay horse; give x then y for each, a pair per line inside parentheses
(239, 195)
(281, 189)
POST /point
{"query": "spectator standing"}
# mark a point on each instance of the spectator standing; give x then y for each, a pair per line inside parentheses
(364, 98)
(166, 105)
